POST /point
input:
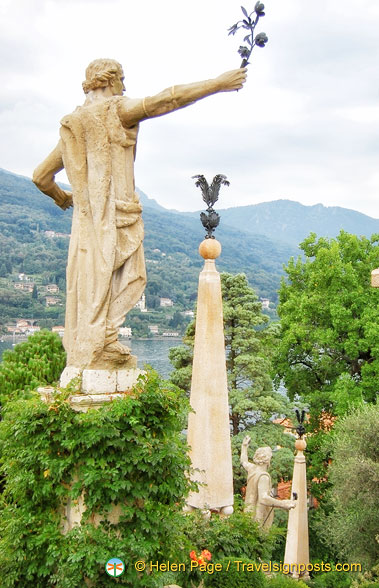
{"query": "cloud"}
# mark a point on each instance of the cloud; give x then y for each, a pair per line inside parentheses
(305, 126)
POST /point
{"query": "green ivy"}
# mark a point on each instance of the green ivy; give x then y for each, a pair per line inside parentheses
(131, 453)
(35, 362)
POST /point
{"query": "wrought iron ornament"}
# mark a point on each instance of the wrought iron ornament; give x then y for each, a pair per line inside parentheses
(249, 23)
(300, 429)
(211, 218)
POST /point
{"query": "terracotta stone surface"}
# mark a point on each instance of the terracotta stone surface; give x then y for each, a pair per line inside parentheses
(208, 427)
(284, 490)
(106, 269)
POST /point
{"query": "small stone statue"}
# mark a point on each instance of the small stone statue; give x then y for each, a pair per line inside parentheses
(258, 498)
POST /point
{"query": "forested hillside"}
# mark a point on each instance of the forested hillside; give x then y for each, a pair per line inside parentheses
(256, 240)
(171, 250)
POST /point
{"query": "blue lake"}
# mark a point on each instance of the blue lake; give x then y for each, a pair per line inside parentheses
(152, 352)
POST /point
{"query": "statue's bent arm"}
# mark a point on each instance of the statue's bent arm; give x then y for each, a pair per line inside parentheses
(44, 178)
(134, 111)
(266, 499)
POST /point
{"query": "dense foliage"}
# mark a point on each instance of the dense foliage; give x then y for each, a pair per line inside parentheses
(234, 537)
(38, 361)
(329, 347)
(351, 527)
(130, 453)
(249, 344)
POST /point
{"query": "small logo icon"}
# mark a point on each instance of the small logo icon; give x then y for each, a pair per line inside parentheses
(114, 567)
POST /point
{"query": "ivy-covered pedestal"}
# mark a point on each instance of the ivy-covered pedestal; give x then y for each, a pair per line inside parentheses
(95, 388)
(82, 487)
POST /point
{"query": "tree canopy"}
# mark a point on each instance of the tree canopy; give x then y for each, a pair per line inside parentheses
(329, 347)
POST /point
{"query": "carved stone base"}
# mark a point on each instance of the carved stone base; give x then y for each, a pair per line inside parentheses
(94, 387)
(101, 381)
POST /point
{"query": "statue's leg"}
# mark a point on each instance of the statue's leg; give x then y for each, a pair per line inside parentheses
(128, 284)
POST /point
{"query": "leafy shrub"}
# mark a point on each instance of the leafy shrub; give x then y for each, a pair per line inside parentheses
(237, 537)
(369, 578)
(235, 575)
(284, 582)
(129, 453)
(351, 521)
(332, 580)
(35, 362)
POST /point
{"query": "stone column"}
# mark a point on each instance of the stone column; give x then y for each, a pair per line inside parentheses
(297, 543)
(208, 427)
(375, 278)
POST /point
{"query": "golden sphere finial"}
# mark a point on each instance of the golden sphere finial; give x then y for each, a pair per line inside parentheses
(210, 248)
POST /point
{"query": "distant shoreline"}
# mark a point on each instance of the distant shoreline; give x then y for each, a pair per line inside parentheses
(21, 338)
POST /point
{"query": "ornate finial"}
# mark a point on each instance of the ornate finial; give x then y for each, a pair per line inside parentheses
(248, 23)
(300, 429)
(211, 218)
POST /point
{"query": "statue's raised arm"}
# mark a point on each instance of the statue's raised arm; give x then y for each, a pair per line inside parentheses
(133, 111)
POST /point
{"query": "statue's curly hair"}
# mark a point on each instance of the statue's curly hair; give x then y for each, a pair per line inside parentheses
(100, 72)
(262, 455)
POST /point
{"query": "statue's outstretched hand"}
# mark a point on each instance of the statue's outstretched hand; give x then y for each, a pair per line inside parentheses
(288, 504)
(65, 201)
(232, 80)
(246, 441)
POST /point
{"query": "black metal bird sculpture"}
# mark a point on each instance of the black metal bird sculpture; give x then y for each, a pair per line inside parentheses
(300, 429)
(210, 219)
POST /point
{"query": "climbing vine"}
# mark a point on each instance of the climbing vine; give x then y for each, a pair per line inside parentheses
(130, 453)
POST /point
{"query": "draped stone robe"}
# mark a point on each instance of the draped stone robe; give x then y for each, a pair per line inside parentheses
(106, 269)
(263, 513)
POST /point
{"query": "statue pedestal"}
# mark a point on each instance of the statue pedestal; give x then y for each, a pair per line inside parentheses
(208, 427)
(95, 388)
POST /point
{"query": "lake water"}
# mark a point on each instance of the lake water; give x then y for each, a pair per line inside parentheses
(152, 352)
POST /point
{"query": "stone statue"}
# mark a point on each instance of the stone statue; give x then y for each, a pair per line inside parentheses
(106, 269)
(258, 499)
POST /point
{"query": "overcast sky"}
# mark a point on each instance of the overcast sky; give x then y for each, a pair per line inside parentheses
(305, 126)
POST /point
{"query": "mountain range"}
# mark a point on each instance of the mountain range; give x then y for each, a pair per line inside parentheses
(256, 239)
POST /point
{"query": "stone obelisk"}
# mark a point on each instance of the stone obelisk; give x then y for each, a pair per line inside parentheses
(208, 426)
(375, 278)
(297, 543)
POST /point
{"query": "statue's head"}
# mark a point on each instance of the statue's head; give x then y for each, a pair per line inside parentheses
(262, 455)
(101, 73)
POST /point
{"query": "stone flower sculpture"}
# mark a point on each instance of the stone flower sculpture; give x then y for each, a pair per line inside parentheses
(248, 23)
